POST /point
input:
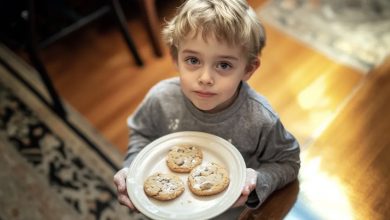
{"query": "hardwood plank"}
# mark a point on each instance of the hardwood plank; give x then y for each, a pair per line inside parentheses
(354, 154)
(344, 173)
(306, 88)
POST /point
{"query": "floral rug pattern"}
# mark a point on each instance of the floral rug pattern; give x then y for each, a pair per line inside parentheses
(70, 167)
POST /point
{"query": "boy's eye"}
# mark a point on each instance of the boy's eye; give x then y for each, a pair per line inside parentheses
(192, 60)
(224, 66)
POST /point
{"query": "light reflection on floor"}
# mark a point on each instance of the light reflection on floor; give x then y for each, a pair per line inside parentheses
(314, 95)
(320, 189)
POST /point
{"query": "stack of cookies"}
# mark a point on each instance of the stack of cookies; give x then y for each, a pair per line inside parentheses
(203, 180)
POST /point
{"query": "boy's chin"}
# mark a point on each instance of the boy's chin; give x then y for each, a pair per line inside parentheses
(203, 108)
(208, 109)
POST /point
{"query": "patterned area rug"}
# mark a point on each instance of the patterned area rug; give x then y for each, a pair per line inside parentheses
(353, 32)
(51, 168)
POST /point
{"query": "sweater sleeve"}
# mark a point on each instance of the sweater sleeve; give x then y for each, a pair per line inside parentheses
(141, 129)
(279, 163)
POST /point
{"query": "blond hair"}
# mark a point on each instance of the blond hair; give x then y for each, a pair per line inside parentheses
(232, 21)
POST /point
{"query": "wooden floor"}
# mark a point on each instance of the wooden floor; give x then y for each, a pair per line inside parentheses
(339, 115)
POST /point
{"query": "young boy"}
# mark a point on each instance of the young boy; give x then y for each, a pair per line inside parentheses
(215, 46)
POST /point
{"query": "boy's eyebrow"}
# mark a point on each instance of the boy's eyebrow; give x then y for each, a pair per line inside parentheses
(189, 51)
(229, 57)
(221, 57)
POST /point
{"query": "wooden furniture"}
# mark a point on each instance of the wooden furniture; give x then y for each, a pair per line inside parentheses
(151, 21)
(34, 43)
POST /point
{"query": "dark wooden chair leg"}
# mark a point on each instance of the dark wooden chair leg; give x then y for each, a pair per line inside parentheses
(32, 47)
(121, 19)
(150, 19)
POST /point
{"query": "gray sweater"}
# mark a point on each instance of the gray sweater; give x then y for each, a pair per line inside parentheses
(250, 124)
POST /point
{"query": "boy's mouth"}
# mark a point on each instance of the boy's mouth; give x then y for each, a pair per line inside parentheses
(204, 94)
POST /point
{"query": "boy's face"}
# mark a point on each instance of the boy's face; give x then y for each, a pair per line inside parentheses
(211, 71)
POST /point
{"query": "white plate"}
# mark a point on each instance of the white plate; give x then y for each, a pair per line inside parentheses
(188, 206)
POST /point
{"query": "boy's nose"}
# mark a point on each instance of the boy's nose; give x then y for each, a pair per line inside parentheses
(206, 78)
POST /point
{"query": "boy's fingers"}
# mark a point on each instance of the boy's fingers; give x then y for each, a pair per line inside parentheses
(240, 201)
(120, 180)
(246, 191)
(124, 200)
(116, 179)
(237, 204)
(120, 184)
(122, 187)
(252, 187)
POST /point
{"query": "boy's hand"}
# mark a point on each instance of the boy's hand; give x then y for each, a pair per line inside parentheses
(250, 185)
(120, 182)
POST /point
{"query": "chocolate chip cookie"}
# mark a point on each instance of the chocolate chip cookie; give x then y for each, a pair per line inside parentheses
(208, 179)
(183, 158)
(163, 187)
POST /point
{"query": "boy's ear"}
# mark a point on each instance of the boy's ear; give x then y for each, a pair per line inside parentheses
(251, 68)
